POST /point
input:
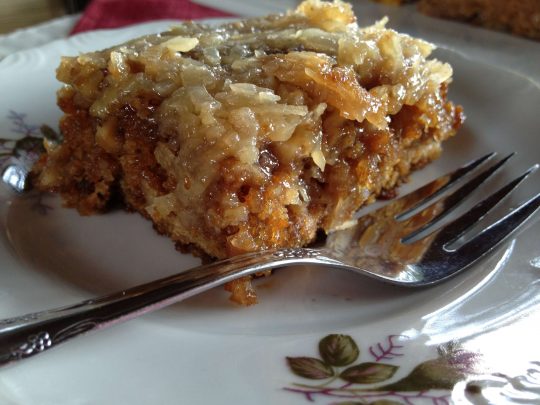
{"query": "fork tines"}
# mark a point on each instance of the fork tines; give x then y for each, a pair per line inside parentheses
(416, 202)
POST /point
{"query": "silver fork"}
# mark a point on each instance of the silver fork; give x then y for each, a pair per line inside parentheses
(399, 243)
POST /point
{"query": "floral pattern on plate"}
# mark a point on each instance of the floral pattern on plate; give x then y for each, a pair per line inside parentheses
(343, 374)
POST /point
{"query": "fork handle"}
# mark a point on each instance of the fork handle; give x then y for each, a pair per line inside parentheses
(31, 334)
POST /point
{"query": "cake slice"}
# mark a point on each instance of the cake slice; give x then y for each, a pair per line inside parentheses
(251, 135)
(520, 17)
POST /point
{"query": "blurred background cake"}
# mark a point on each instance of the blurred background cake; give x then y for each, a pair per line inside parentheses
(520, 17)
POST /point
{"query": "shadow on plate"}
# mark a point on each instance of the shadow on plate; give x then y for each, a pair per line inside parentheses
(107, 253)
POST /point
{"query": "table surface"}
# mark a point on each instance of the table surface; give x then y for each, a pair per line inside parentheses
(24, 13)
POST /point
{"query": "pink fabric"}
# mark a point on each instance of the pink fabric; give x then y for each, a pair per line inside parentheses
(119, 13)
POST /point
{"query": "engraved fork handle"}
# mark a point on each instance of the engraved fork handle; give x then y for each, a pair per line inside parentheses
(31, 334)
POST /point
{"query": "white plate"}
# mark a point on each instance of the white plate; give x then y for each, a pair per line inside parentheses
(478, 330)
